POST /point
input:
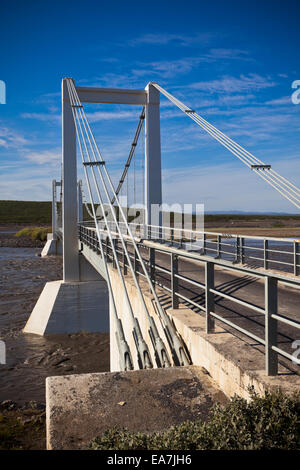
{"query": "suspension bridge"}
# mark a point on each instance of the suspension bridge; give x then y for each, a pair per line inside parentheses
(165, 292)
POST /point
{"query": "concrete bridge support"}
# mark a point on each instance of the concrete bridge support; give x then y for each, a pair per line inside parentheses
(153, 183)
(78, 302)
(72, 307)
(53, 246)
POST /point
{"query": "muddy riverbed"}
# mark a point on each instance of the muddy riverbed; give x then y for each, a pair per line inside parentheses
(31, 358)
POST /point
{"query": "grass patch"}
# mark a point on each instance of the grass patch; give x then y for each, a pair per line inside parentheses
(269, 422)
(35, 233)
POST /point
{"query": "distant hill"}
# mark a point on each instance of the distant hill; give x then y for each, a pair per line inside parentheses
(40, 212)
(25, 212)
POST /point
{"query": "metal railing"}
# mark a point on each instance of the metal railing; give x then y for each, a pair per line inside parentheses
(280, 254)
(170, 284)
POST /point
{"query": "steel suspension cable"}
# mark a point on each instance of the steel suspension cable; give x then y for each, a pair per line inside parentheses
(159, 347)
(126, 362)
(144, 357)
(131, 153)
(281, 184)
(179, 351)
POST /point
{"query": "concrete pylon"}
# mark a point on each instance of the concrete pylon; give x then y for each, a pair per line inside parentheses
(69, 190)
(153, 182)
(80, 301)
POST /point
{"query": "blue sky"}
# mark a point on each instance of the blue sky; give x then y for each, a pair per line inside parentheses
(232, 61)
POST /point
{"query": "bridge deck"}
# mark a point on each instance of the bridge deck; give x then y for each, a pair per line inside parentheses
(245, 286)
(242, 286)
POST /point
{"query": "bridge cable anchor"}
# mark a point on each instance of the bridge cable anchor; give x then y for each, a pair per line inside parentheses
(93, 163)
(260, 167)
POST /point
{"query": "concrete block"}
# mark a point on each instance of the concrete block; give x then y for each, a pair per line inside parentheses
(80, 407)
(53, 247)
(64, 308)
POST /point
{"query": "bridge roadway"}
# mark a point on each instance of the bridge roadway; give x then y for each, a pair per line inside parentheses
(242, 286)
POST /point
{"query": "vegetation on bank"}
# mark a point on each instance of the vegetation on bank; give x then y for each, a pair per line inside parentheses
(269, 422)
(35, 233)
(22, 429)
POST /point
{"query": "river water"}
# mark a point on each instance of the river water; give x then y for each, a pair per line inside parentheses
(31, 358)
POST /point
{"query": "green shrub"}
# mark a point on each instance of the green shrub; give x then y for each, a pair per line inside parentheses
(35, 233)
(269, 422)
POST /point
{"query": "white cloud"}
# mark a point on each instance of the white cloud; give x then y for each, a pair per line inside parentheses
(46, 117)
(107, 115)
(226, 187)
(280, 101)
(166, 38)
(172, 68)
(229, 84)
(51, 157)
(11, 138)
(221, 53)
(3, 143)
(29, 183)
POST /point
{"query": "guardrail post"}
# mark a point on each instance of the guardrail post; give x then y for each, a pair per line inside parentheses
(172, 236)
(135, 264)
(204, 243)
(93, 241)
(160, 234)
(237, 250)
(271, 325)
(209, 297)
(174, 280)
(242, 250)
(152, 265)
(266, 246)
(115, 245)
(124, 260)
(219, 247)
(98, 243)
(106, 250)
(296, 253)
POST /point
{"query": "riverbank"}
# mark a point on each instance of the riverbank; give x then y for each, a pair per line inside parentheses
(275, 232)
(8, 238)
